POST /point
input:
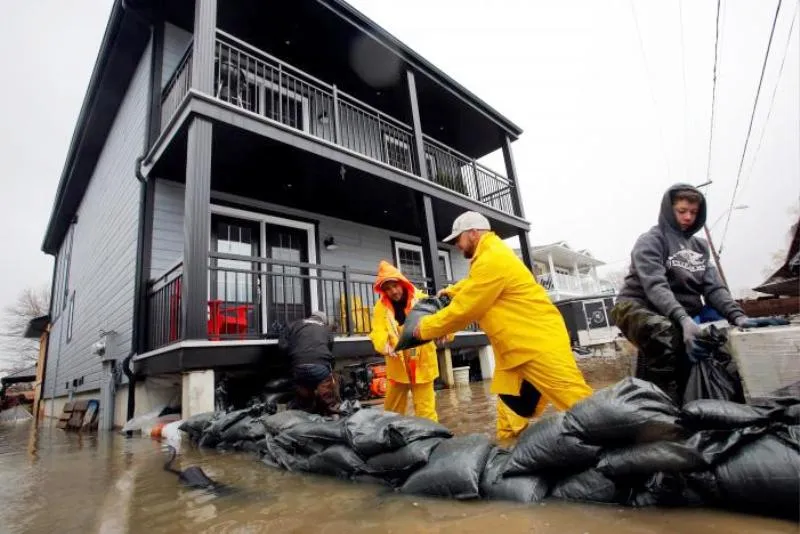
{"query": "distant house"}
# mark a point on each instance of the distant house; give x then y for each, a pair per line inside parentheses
(584, 300)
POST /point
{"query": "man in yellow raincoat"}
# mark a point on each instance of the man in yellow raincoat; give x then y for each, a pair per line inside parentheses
(412, 370)
(526, 330)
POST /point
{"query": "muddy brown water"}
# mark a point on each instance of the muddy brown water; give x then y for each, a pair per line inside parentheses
(52, 481)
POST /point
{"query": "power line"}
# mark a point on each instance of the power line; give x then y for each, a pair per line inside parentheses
(713, 98)
(650, 86)
(685, 94)
(772, 100)
(750, 127)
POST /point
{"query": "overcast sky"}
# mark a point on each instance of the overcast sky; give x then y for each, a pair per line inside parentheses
(608, 124)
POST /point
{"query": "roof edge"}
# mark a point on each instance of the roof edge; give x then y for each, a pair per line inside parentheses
(346, 11)
(92, 91)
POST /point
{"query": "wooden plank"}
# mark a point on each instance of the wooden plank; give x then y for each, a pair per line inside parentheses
(768, 358)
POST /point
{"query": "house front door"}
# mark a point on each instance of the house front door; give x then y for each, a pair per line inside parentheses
(287, 288)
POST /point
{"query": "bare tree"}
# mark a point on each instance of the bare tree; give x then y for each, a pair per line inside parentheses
(17, 352)
(616, 278)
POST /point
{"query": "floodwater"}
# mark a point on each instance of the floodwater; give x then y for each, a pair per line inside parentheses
(52, 481)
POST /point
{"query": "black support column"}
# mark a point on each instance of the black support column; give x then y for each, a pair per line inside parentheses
(516, 199)
(197, 199)
(156, 73)
(430, 249)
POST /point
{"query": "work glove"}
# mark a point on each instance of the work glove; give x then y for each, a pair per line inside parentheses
(388, 350)
(759, 322)
(690, 333)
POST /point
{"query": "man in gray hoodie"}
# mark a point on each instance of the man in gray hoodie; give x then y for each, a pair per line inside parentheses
(669, 280)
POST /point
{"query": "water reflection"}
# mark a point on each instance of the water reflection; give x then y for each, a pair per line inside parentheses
(62, 482)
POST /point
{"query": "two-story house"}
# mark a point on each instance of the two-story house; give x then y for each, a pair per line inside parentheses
(236, 165)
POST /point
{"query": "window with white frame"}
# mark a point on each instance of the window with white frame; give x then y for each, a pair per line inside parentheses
(408, 258)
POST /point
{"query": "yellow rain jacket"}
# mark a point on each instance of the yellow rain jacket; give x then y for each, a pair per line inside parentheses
(526, 330)
(385, 329)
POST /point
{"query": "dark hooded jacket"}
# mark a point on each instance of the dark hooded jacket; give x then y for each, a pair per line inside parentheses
(307, 341)
(670, 269)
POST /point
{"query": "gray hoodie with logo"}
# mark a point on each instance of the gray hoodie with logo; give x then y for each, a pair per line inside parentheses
(670, 269)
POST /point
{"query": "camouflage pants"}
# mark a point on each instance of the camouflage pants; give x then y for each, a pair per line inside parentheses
(662, 356)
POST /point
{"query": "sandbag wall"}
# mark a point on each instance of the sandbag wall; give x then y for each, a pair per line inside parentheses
(627, 444)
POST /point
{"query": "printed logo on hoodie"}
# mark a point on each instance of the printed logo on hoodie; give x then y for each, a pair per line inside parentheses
(688, 260)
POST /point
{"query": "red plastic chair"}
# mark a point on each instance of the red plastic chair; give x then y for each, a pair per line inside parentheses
(175, 312)
(227, 319)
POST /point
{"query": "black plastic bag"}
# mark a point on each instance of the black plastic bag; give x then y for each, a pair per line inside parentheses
(423, 307)
(547, 445)
(277, 423)
(338, 461)
(454, 469)
(589, 486)
(349, 407)
(525, 488)
(669, 490)
(709, 379)
(763, 477)
(367, 432)
(721, 414)
(397, 465)
(630, 411)
(197, 424)
(246, 429)
(311, 437)
(650, 458)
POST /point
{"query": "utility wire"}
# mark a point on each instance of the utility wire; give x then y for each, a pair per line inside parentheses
(713, 98)
(685, 95)
(772, 100)
(750, 127)
(650, 86)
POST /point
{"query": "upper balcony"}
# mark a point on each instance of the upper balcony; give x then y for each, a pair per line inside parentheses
(271, 89)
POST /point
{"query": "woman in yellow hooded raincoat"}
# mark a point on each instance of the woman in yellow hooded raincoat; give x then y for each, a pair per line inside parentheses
(526, 330)
(410, 371)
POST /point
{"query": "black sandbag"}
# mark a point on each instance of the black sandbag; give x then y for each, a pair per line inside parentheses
(212, 435)
(275, 456)
(423, 307)
(669, 490)
(277, 385)
(589, 486)
(278, 397)
(454, 469)
(311, 437)
(523, 488)
(710, 379)
(404, 430)
(763, 477)
(546, 444)
(630, 411)
(349, 407)
(367, 432)
(397, 465)
(702, 450)
(246, 429)
(277, 423)
(338, 461)
(197, 424)
(721, 414)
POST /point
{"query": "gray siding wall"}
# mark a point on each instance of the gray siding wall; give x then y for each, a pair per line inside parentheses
(176, 41)
(103, 262)
(360, 246)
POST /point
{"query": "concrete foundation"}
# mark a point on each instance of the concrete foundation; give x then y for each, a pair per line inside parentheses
(198, 393)
(446, 367)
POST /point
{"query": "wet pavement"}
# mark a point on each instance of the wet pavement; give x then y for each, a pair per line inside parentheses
(52, 481)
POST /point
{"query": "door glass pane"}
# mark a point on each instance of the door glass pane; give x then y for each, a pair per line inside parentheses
(288, 287)
(410, 263)
(442, 265)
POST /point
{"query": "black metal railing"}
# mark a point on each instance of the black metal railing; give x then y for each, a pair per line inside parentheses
(253, 297)
(177, 88)
(257, 82)
(164, 309)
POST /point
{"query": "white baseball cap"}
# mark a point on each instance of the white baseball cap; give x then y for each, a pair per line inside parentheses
(469, 220)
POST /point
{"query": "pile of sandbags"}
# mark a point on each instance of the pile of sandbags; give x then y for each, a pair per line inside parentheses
(627, 444)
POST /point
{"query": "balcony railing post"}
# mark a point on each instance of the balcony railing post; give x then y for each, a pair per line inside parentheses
(280, 88)
(337, 123)
(477, 183)
(347, 301)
